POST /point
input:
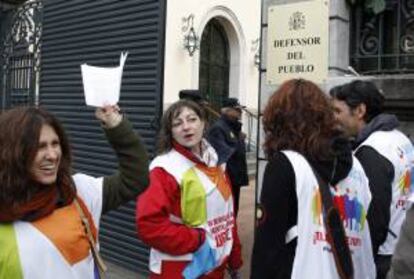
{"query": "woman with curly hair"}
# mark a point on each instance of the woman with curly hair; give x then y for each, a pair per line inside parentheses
(49, 219)
(300, 141)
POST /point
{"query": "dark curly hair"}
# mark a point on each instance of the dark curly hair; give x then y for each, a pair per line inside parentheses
(20, 195)
(165, 138)
(299, 117)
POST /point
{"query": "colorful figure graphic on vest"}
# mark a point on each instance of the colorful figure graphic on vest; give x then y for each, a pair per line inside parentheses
(42, 235)
(300, 138)
(387, 157)
(351, 210)
(186, 215)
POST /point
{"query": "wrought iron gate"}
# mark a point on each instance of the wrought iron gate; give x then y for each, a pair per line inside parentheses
(20, 53)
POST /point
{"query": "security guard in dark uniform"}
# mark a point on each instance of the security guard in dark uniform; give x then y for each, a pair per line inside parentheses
(226, 137)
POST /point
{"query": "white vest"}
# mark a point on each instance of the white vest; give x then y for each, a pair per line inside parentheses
(397, 148)
(204, 206)
(352, 196)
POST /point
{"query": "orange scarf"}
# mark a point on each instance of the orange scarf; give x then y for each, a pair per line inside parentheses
(41, 204)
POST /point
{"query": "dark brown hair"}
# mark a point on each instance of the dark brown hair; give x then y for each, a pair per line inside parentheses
(361, 92)
(165, 138)
(19, 139)
(299, 117)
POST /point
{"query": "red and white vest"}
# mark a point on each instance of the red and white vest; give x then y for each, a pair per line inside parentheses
(206, 202)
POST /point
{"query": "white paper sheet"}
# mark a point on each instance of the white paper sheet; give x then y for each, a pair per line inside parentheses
(102, 85)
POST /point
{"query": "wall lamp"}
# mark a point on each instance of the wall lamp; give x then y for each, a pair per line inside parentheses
(191, 41)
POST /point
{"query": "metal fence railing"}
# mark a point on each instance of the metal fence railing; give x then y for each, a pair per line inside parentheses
(383, 43)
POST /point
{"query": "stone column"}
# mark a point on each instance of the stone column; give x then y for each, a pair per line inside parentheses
(339, 21)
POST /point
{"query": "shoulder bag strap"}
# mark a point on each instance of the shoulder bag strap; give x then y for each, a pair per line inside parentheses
(95, 253)
(335, 230)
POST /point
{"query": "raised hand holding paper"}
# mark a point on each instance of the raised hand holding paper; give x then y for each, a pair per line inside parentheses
(102, 85)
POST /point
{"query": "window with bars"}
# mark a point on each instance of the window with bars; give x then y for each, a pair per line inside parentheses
(21, 79)
(20, 53)
(383, 43)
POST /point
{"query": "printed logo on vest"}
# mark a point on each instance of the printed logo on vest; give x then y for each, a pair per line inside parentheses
(221, 228)
(405, 187)
(405, 183)
(351, 210)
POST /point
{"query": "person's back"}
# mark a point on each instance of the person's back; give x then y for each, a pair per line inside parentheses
(291, 238)
(352, 197)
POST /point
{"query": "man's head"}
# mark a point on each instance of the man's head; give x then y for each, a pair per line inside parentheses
(232, 108)
(356, 104)
(192, 95)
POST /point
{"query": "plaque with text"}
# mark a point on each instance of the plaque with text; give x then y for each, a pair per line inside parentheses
(298, 42)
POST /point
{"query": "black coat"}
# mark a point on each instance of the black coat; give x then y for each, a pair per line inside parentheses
(225, 137)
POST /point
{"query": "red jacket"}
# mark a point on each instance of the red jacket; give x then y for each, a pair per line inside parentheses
(154, 227)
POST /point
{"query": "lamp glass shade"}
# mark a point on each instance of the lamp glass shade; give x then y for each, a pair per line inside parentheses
(191, 41)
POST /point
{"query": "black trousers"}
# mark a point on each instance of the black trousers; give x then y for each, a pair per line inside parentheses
(383, 264)
(236, 198)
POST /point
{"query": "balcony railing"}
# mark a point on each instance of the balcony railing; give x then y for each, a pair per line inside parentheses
(383, 43)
